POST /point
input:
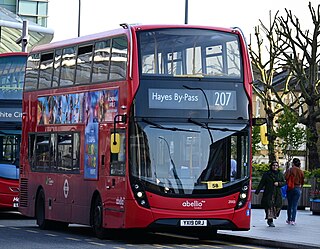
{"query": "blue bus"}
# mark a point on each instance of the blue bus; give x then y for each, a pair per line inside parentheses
(12, 71)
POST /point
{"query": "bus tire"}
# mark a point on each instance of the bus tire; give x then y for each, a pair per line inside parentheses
(97, 218)
(40, 211)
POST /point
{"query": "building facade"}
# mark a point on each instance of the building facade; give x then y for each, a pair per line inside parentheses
(31, 10)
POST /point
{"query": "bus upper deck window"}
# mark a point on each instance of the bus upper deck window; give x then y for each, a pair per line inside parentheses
(84, 64)
(68, 66)
(32, 70)
(56, 67)
(101, 60)
(118, 62)
(46, 66)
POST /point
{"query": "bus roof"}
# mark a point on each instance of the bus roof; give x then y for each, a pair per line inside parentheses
(13, 54)
(116, 32)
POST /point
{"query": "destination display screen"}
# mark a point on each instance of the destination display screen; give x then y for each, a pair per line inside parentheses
(192, 99)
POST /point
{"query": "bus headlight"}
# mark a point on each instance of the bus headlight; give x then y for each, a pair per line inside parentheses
(240, 204)
(140, 195)
(245, 187)
(243, 196)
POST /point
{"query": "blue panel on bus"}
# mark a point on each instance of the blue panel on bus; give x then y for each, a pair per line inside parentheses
(9, 171)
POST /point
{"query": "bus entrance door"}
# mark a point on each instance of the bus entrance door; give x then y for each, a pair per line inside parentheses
(113, 165)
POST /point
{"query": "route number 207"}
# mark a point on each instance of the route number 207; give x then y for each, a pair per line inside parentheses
(222, 98)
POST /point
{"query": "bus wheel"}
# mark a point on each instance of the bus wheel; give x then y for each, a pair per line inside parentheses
(40, 211)
(97, 222)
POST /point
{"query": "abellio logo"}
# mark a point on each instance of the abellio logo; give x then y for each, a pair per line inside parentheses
(194, 204)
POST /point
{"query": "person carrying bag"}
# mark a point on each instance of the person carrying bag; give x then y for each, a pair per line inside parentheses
(295, 179)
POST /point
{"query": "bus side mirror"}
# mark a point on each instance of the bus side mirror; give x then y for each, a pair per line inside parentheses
(115, 143)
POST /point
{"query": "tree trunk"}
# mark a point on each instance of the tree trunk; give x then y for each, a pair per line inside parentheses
(314, 161)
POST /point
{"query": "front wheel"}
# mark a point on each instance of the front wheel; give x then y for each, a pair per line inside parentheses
(97, 218)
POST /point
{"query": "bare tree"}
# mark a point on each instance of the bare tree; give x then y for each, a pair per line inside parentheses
(302, 56)
(266, 63)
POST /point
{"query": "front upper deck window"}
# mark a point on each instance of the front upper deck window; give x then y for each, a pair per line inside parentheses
(190, 52)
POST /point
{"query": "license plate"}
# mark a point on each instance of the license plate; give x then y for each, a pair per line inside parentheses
(193, 223)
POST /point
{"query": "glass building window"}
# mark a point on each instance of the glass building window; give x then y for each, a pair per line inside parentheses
(28, 7)
(9, 5)
(35, 11)
(42, 8)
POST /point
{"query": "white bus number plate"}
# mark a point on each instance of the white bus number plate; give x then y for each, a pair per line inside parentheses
(192, 223)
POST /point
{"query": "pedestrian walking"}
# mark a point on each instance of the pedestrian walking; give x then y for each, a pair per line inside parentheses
(293, 195)
(271, 181)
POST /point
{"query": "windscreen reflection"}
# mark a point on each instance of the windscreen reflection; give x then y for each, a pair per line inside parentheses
(182, 158)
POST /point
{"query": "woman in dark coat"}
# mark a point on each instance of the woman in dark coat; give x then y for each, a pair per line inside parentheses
(271, 201)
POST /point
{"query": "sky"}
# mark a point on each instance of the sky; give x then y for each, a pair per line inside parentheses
(101, 15)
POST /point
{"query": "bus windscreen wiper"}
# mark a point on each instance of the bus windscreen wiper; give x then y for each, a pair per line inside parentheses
(206, 126)
(166, 128)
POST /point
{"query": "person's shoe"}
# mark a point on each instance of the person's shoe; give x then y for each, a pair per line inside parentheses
(288, 222)
(292, 223)
(270, 224)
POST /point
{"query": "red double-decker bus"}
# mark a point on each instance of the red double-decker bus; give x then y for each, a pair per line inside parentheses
(12, 69)
(147, 126)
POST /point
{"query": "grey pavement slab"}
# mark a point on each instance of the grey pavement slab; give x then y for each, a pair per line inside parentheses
(305, 234)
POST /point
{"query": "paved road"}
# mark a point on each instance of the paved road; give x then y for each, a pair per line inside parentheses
(305, 235)
(14, 227)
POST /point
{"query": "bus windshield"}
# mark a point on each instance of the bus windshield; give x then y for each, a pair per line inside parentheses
(182, 158)
(190, 53)
(12, 76)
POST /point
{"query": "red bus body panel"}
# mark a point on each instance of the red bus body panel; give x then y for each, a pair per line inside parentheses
(69, 197)
(9, 194)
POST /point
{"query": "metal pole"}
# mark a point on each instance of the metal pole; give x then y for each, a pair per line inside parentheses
(186, 13)
(24, 37)
(79, 15)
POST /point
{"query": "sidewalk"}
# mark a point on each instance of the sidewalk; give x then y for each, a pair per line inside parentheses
(306, 233)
